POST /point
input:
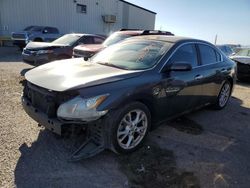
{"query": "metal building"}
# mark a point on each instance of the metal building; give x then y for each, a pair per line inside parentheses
(89, 16)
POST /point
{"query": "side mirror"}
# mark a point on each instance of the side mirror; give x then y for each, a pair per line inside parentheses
(179, 66)
(45, 31)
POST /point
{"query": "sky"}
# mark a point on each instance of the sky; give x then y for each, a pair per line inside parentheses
(203, 19)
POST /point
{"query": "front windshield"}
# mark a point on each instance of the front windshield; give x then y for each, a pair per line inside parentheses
(115, 38)
(243, 52)
(132, 55)
(36, 28)
(68, 39)
(28, 28)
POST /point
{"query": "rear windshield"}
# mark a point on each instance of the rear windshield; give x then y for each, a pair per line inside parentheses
(68, 39)
(132, 54)
(115, 38)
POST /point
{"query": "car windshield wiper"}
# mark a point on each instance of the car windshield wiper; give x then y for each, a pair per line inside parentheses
(112, 65)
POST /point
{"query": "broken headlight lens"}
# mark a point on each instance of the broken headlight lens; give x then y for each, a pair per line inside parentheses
(82, 109)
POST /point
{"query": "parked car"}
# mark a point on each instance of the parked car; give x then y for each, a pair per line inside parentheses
(226, 49)
(242, 58)
(126, 89)
(88, 51)
(34, 33)
(37, 53)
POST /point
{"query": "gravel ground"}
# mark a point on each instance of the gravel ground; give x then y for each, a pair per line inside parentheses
(204, 149)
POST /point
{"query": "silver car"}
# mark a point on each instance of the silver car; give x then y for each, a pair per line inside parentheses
(242, 58)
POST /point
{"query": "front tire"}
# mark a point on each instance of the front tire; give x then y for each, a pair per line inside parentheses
(223, 96)
(130, 127)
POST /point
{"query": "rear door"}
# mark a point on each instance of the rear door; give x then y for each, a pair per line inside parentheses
(182, 89)
(212, 71)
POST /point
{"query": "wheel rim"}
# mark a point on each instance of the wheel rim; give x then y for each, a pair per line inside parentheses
(224, 95)
(132, 129)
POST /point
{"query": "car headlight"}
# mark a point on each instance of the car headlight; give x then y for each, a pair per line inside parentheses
(82, 109)
(45, 51)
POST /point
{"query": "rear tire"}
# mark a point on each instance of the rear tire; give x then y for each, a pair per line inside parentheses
(223, 96)
(129, 127)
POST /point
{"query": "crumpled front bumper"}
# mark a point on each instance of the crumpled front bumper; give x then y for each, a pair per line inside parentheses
(96, 140)
(52, 124)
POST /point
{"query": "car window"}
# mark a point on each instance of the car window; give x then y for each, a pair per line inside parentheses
(36, 29)
(185, 54)
(87, 40)
(28, 28)
(115, 38)
(98, 40)
(218, 56)
(208, 54)
(52, 30)
(68, 39)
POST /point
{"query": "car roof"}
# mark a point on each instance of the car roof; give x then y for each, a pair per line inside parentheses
(135, 32)
(166, 38)
(223, 45)
(84, 34)
(130, 32)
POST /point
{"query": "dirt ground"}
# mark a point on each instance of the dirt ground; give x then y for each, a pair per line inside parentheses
(206, 148)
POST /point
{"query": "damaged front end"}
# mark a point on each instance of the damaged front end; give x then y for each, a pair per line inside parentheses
(63, 113)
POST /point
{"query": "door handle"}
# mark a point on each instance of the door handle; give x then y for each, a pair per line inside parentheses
(198, 77)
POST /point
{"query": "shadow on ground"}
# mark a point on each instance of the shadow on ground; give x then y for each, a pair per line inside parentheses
(153, 167)
(44, 164)
(186, 125)
(10, 54)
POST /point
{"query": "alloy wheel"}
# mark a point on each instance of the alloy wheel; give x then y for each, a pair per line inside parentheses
(132, 129)
(224, 94)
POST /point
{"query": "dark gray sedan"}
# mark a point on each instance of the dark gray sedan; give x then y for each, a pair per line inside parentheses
(128, 88)
(37, 53)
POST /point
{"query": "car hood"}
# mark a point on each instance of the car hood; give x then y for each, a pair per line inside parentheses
(90, 47)
(241, 59)
(20, 32)
(74, 73)
(42, 45)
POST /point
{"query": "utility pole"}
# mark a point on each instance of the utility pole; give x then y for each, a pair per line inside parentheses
(215, 41)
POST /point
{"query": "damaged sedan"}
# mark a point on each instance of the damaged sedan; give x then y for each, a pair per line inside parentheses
(124, 91)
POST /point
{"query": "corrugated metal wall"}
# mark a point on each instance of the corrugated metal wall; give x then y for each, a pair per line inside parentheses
(141, 19)
(17, 14)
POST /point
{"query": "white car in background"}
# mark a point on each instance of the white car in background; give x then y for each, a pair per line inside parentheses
(242, 58)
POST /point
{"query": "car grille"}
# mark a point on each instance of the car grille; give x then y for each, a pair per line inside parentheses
(18, 36)
(80, 53)
(45, 100)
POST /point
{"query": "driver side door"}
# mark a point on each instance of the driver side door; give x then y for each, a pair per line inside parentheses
(182, 88)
